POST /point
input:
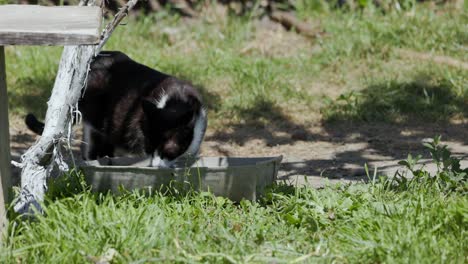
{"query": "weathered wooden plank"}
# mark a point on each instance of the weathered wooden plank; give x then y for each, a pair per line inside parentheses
(5, 159)
(49, 25)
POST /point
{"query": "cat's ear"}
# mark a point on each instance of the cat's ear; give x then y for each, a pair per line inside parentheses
(149, 108)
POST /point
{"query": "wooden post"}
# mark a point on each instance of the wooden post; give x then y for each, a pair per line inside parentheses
(39, 159)
(37, 162)
(5, 159)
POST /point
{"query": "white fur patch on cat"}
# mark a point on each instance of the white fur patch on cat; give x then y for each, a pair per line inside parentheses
(161, 103)
(156, 161)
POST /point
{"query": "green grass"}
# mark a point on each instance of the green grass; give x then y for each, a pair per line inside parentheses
(399, 220)
(427, 97)
(357, 54)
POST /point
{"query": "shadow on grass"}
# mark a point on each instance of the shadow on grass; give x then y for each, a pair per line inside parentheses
(32, 95)
(211, 100)
(263, 120)
(390, 120)
(400, 102)
(383, 112)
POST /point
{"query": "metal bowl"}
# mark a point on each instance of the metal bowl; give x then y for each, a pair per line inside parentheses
(236, 178)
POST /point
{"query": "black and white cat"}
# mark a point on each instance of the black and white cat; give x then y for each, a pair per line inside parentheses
(131, 107)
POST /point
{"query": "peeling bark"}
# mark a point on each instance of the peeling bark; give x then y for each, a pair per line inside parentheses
(39, 160)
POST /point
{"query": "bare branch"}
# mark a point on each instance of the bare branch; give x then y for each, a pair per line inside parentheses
(290, 21)
(106, 33)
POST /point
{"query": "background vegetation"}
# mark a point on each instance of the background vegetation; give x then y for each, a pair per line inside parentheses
(359, 66)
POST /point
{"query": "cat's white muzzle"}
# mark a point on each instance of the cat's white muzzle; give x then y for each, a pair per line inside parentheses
(156, 161)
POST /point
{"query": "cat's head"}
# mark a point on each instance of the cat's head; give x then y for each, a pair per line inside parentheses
(174, 127)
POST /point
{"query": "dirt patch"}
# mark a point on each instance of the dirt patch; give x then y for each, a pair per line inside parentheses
(313, 154)
(273, 41)
(336, 152)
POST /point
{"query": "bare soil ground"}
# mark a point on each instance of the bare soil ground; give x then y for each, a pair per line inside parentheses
(317, 154)
(312, 155)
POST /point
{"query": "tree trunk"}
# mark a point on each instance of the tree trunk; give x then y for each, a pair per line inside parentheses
(39, 160)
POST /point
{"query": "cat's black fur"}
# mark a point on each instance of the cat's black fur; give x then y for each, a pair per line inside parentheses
(131, 107)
